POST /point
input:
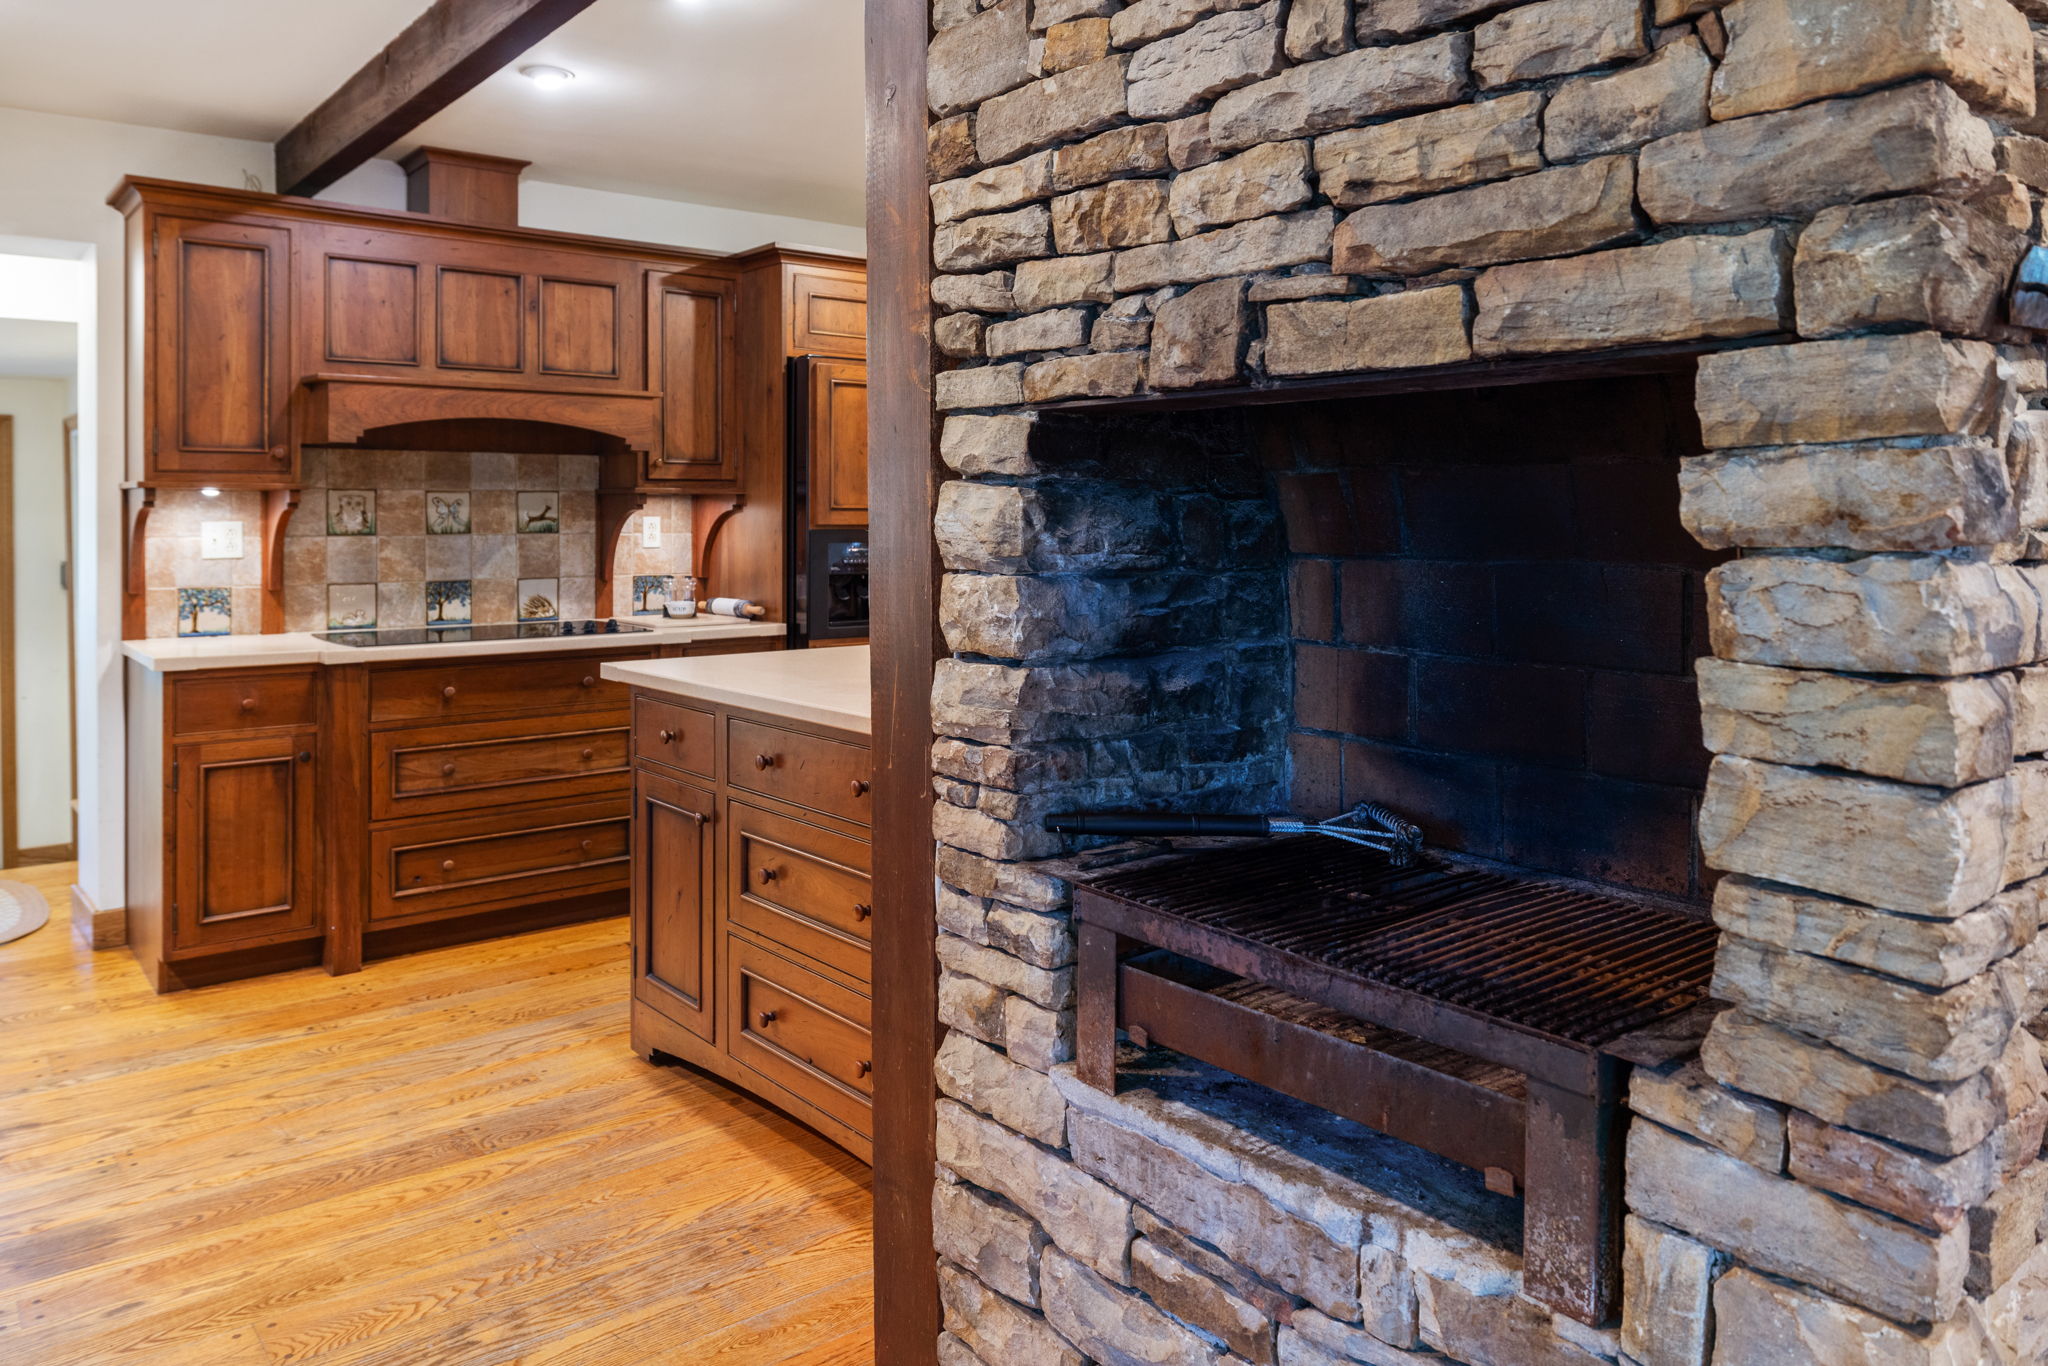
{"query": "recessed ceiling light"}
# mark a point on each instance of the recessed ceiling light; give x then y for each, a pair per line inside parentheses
(209, 492)
(548, 77)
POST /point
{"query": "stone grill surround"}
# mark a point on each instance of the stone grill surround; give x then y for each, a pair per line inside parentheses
(1181, 194)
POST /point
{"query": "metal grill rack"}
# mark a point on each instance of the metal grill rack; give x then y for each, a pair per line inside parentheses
(1477, 1012)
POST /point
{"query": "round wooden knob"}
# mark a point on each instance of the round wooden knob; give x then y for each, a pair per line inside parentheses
(668, 737)
(449, 691)
(861, 910)
(280, 454)
(863, 1067)
(305, 756)
(767, 1018)
(589, 753)
(248, 704)
(765, 875)
(859, 787)
(763, 762)
(447, 865)
(447, 770)
(587, 846)
(589, 682)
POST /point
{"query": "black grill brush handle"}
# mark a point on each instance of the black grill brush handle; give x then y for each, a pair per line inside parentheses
(1153, 823)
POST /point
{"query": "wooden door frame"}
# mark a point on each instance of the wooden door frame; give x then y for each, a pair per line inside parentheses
(903, 479)
(10, 818)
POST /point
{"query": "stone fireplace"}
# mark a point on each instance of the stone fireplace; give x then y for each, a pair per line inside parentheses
(1594, 430)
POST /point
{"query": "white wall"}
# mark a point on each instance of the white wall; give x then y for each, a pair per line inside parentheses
(57, 173)
(42, 696)
(567, 208)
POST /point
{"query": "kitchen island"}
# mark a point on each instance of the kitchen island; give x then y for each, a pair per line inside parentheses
(295, 799)
(752, 908)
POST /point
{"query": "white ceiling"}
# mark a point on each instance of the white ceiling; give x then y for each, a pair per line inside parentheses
(37, 350)
(747, 104)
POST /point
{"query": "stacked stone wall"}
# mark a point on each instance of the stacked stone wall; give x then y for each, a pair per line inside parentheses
(1169, 195)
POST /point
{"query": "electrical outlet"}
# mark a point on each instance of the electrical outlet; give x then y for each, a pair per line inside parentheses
(650, 533)
(220, 540)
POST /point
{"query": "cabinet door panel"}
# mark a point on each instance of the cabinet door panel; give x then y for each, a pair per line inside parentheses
(691, 356)
(481, 320)
(243, 845)
(828, 312)
(836, 410)
(218, 373)
(373, 312)
(673, 894)
(579, 328)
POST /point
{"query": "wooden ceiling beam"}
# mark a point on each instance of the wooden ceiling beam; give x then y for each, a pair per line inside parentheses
(442, 55)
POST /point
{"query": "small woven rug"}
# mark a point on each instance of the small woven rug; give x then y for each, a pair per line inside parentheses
(22, 910)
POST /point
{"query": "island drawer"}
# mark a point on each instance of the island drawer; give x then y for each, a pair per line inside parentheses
(211, 703)
(807, 770)
(800, 886)
(680, 737)
(428, 770)
(800, 1031)
(477, 863)
(429, 692)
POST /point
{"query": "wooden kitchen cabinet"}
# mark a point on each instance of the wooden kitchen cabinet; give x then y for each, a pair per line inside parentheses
(215, 325)
(244, 862)
(835, 414)
(693, 359)
(752, 906)
(828, 311)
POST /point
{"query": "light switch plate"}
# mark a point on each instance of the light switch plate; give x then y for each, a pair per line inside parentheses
(650, 533)
(220, 540)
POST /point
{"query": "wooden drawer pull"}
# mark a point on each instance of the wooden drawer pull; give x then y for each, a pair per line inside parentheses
(859, 787)
(248, 704)
(589, 753)
(305, 756)
(449, 692)
(766, 875)
(696, 817)
(767, 1018)
(764, 762)
(588, 845)
(861, 910)
(447, 865)
(589, 681)
(863, 1067)
(668, 737)
(447, 770)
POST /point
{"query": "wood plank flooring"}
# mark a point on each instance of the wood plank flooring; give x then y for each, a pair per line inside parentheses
(450, 1159)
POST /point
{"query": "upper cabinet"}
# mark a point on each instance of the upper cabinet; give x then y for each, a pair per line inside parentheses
(828, 311)
(216, 321)
(693, 359)
(835, 414)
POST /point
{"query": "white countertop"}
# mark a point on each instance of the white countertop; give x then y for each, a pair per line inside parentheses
(827, 687)
(180, 653)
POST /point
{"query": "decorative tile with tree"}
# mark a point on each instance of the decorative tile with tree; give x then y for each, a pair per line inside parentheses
(448, 602)
(651, 593)
(205, 612)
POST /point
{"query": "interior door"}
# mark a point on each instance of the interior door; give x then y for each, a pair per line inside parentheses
(836, 428)
(673, 967)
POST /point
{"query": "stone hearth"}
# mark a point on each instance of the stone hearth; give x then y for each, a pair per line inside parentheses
(1712, 565)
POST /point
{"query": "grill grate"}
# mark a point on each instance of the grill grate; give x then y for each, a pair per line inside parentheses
(1554, 958)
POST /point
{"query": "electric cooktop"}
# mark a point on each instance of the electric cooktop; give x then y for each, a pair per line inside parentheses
(501, 630)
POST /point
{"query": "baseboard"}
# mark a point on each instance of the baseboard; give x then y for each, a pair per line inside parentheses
(93, 927)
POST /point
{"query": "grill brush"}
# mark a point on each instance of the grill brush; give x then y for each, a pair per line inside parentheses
(1368, 825)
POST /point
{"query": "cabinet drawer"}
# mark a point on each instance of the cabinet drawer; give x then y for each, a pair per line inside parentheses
(800, 886)
(431, 692)
(232, 702)
(681, 737)
(426, 770)
(809, 770)
(485, 862)
(800, 1031)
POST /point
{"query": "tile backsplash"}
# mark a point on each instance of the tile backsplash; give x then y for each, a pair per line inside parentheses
(409, 538)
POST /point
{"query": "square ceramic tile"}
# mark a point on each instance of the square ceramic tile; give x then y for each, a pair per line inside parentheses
(447, 513)
(448, 469)
(401, 512)
(651, 593)
(579, 471)
(305, 606)
(351, 559)
(401, 604)
(494, 557)
(540, 512)
(351, 512)
(448, 557)
(205, 612)
(540, 557)
(351, 606)
(539, 471)
(579, 597)
(493, 470)
(490, 512)
(539, 599)
(491, 600)
(402, 557)
(447, 602)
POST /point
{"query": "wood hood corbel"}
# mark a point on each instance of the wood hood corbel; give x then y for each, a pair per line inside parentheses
(349, 410)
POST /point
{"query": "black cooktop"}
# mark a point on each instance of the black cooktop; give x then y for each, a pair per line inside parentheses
(498, 630)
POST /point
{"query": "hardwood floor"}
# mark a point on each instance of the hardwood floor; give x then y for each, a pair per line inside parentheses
(451, 1159)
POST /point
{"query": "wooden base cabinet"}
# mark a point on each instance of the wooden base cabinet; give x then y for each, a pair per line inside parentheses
(287, 817)
(752, 906)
